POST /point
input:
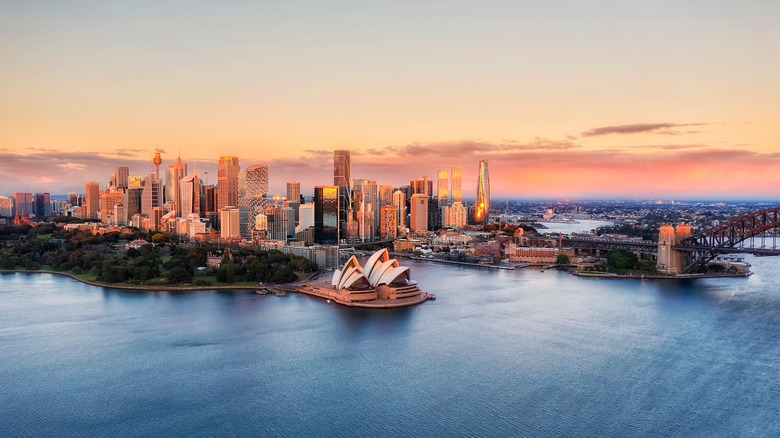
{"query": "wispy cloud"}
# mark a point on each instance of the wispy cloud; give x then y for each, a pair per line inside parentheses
(638, 128)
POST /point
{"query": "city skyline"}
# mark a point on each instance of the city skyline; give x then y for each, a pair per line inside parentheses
(600, 100)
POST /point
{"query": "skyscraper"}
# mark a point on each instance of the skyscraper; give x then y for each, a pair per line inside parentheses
(175, 172)
(252, 194)
(42, 204)
(121, 176)
(418, 219)
(93, 200)
(342, 178)
(326, 214)
(6, 206)
(365, 207)
(457, 184)
(399, 202)
(442, 187)
(229, 222)
(422, 185)
(189, 194)
(294, 191)
(482, 212)
(227, 182)
(388, 224)
(152, 192)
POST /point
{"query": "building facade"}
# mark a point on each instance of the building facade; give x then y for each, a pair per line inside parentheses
(482, 205)
(227, 182)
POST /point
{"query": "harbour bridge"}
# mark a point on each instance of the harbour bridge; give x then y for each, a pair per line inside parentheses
(752, 233)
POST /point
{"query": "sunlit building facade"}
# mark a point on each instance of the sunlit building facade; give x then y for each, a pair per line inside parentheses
(457, 183)
(442, 187)
(399, 202)
(93, 200)
(227, 182)
(482, 205)
(252, 195)
(326, 214)
(418, 217)
(175, 172)
(342, 178)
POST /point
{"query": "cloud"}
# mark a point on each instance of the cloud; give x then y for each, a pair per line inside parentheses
(655, 128)
(669, 147)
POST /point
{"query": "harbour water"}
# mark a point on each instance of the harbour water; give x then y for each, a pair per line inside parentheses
(499, 353)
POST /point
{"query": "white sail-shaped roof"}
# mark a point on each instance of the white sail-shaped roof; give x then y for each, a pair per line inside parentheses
(399, 274)
(350, 275)
(375, 260)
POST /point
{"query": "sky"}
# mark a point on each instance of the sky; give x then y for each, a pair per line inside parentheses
(568, 99)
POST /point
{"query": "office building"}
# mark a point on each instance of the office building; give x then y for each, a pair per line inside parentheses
(6, 206)
(457, 184)
(422, 185)
(342, 178)
(399, 202)
(252, 195)
(388, 223)
(326, 214)
(175, 172)
(121, 177)
(93, 200)
(418, 217)
(189, 195)
(227, 182)
(442, 187)
(42, 204)
(230, 225)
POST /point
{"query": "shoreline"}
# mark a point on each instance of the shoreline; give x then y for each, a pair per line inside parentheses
(656, 276)
(140, 288)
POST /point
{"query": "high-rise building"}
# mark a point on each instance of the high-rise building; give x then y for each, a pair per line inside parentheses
(365, 207)
(132, 201)
(229, 219)
(109, 198)
(294, 191)
(175, 172)
(227, 182)
(93, 200)
(385, 195)
(342, 178)
(189, 193)
(73, 199)
(326, 214)
(42, 205)
(457, 184)
(418, 218)
(305, 216)
(152, 196)
(209, 199)
(6, 206)
(121, 177)
(442, 187)
(388, 224)
(252, 195)
(422, 185)
(457, 215)
(482, 205)
(399, 202)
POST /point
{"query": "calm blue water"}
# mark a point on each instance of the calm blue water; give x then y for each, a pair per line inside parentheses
(519, 353)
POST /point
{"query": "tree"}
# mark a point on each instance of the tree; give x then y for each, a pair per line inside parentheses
(621, 259)
(562, 259)
(179, 274)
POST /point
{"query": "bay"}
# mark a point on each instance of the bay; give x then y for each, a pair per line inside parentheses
(498, 353)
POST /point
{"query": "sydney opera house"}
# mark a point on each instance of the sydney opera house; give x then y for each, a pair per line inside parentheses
(382, 282)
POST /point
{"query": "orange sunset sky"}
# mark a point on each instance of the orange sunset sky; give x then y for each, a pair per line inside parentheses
(662, 99)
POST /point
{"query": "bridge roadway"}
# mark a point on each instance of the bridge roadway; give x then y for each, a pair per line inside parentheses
(648, 247)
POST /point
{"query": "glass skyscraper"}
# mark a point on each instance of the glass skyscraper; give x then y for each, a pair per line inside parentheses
(482, 207)
(342, 178)
(326, 214)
